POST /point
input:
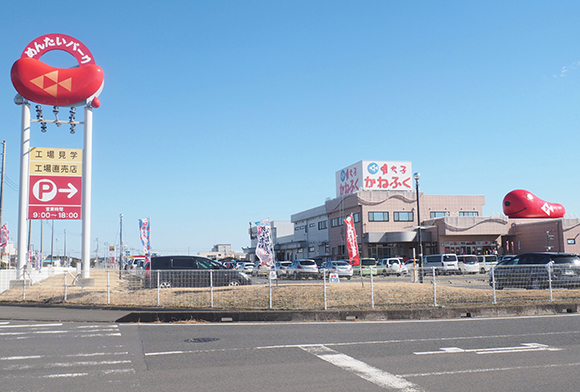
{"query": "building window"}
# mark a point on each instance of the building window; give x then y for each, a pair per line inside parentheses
(404, 216)
(337, 222)
(311, 225)
(438, 214)
(322, 225)
(311, 249)
(356, 217)
(380, 216)
(468, 213)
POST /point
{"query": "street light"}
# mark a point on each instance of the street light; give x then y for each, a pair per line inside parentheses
(416, 176)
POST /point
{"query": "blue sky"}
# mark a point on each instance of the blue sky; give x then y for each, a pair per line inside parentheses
(218, 113)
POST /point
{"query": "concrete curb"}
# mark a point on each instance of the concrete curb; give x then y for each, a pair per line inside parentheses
(30, 312)
(165, 316)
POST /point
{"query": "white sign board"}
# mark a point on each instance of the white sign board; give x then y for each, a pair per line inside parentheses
(374, 175)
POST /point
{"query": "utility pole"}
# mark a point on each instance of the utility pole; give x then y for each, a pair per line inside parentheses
(121, 247)
(2, 180)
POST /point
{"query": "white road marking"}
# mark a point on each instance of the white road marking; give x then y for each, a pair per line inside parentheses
(446, 373)
(525, 347)
(376, 376)
(31, 325)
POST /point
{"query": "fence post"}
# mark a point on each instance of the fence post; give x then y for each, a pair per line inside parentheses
(211, 287)
(158, 289)
(24, 286)
(65, 292)
(108, 288)
(549, 267)
(372, 291)
(492, 277)
(324, 282)
(434, 288)
(270, 284)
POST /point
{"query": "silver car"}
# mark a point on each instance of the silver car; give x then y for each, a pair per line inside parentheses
(340, 267)
(303, 268)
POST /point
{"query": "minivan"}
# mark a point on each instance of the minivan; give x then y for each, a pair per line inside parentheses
(191, 271)
(444, 263)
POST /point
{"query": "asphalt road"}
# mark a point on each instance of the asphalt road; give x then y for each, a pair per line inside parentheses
(507, 354)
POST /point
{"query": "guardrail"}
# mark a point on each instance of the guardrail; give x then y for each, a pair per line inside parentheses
(221, 289)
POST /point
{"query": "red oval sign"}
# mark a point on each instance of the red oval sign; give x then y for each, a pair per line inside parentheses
(39, 82)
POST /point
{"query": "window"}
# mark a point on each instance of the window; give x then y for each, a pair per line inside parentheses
(438, 214)
(311, 249)
(468, 213)
(379, 216)
(337, 222)
(322, 225)
(404, 216)
(356, 217)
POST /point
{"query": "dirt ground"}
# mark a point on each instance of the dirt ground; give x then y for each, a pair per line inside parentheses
(109, 290)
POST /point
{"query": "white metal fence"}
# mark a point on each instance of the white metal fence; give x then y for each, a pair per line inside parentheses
(221, 289)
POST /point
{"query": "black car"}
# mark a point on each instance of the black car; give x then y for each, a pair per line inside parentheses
(191, 271)
(537, 271)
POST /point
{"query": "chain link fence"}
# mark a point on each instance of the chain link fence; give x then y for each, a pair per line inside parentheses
(232, 290)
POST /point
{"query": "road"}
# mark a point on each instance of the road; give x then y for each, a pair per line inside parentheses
(510, 354)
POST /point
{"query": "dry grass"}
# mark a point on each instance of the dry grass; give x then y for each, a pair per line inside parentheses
(112, 291)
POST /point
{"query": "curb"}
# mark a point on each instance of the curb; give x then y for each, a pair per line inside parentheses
(168, 316)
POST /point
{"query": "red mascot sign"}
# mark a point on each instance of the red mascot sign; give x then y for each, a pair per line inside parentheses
(523, 204)
(39, 82)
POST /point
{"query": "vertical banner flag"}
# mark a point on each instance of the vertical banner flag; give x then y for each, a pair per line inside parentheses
(144, 235)
(265, 249)
(351, 244)
(3, 235)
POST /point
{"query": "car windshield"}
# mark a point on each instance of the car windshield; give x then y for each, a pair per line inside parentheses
(449, 258)
(368, 262)
(566, 259)
(307, 262)
(341, 263)
(208, 264)
(469, 259)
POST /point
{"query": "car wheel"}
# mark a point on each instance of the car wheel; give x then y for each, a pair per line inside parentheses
(482, 271)
(234, 282)
(165, 285)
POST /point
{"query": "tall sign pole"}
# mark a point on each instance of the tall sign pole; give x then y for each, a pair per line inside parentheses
(38, 82)
(86, 193)
(23, 193)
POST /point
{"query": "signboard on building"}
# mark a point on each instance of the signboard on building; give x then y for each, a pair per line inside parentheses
(376, 176)
(55, 183)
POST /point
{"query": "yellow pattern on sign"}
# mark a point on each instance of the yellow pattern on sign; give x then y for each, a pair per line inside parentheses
(56, 161)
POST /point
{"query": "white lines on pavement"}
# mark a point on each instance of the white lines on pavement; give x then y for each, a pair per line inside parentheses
(65, 365)
(376, 376)
(31, 325)
(525, 347)
(195, 351)
(446, 373)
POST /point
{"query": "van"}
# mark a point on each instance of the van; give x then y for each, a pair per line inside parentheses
(486, 261)
(191, 271)
(444, 264)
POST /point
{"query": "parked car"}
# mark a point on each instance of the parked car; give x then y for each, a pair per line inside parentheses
(340, 267)
(486, 261)
(367, 266)
(281, 268)
(537, 271)
(258, 270)
(392, 266)
(246, 267)
(190, 271)
(303, 268)
(468, 264)
(443, 263)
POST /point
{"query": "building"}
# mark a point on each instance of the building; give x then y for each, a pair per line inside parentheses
(382, 198)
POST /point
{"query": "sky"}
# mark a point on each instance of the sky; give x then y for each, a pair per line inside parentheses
(215, 114)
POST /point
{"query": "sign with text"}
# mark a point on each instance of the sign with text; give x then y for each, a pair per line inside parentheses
(55, 183)
(376, 176)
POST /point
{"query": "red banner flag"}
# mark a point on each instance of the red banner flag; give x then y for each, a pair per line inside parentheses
(351, 244)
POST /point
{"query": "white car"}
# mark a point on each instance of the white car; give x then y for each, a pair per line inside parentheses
(486, 261)
(340, 267)
(468, 264)
(392, 266)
